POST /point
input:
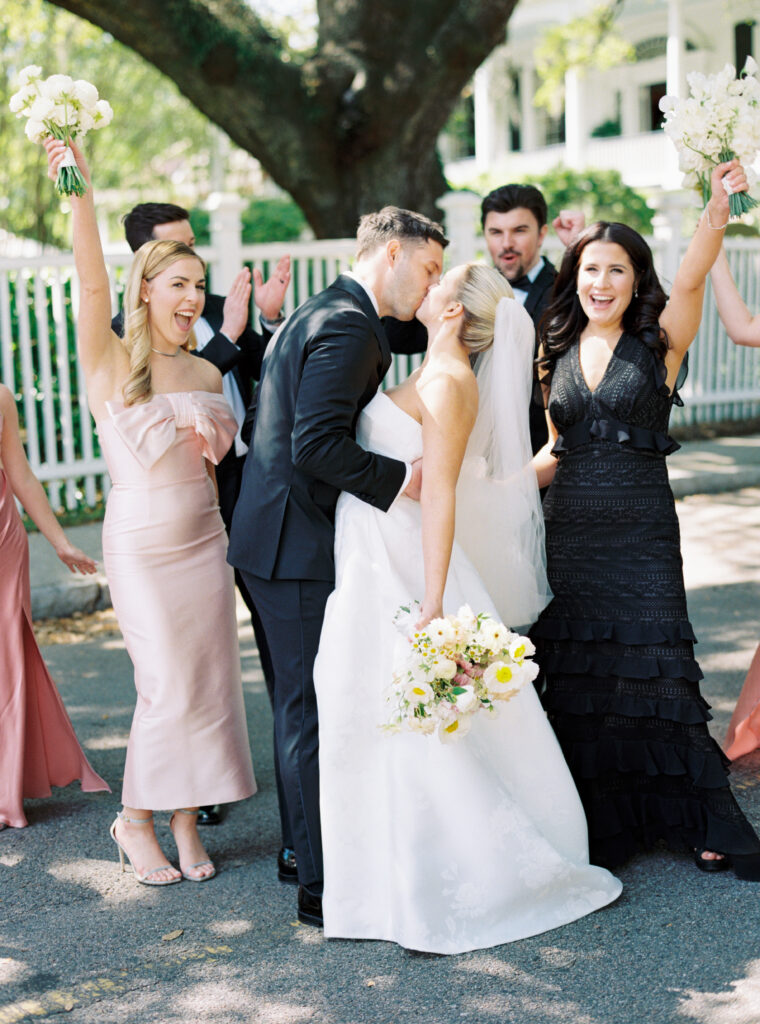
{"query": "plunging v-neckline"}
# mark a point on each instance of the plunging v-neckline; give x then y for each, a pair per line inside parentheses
(592, 391)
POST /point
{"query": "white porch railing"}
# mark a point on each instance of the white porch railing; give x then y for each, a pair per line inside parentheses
(38, 307)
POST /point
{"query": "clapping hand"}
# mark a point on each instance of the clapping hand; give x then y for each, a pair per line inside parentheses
(237, 306)
(269, 297)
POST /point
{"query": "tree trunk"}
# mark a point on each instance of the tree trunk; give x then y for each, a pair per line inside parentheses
(345, 130)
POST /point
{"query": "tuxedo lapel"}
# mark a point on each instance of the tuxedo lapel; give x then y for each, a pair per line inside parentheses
(358, 292)
(542, 284)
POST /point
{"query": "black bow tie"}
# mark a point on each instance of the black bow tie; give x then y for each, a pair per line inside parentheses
(524, 283)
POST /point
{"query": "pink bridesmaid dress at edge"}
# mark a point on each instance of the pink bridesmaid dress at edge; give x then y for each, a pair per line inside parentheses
(743, 734)
(164, 550)
(38, 747)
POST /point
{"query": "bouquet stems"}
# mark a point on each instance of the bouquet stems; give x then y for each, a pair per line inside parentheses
(738, 202)
(69, 180)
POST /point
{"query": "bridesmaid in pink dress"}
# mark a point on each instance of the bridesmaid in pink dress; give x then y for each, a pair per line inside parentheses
(163, 423)
(743, 329)
(38, 748)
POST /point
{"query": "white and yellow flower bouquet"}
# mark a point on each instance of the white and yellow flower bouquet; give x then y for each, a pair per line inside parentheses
(63, 108)
(454, 667)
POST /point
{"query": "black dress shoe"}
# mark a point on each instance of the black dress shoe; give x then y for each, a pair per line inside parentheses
(309, 908)
(287, 871)
(211, 815)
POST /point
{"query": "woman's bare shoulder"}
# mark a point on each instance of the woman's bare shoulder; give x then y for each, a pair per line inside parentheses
(206, 375)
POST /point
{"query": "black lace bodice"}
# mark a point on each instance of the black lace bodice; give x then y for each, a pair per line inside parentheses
(630, 405)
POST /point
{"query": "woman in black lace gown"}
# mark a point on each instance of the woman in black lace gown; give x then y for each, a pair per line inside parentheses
(616, 646)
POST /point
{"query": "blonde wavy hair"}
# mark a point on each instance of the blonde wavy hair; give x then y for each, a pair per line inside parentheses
(150, 259)
(480, 292)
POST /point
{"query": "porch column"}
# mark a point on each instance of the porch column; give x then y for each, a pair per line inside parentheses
(528, 133)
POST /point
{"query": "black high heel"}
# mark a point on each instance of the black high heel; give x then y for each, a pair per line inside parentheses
(710, 866)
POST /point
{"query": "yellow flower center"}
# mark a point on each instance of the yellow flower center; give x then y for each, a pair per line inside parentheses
(504, 674)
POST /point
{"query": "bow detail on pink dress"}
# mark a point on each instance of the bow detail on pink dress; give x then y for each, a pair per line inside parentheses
(149, 429)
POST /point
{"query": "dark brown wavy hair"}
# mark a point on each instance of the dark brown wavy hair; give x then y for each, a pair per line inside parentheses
(564, 318)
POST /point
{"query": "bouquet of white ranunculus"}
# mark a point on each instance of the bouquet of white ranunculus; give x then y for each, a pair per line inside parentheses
(63, 108)
(452, 668)
(718, 121)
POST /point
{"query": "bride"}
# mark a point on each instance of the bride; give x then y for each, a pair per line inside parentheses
(447, 848)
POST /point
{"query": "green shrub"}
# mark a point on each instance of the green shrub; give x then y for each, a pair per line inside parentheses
(602, 195)
(263, 220)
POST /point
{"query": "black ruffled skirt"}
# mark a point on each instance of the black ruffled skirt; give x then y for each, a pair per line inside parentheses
(620, 682)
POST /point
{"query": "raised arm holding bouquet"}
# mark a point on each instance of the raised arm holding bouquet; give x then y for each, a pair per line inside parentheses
(718, 122)
(162, 422)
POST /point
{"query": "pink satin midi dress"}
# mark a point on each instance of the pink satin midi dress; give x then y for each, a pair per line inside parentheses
(164, 551)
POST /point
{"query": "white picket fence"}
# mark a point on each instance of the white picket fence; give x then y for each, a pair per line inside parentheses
(38, 308)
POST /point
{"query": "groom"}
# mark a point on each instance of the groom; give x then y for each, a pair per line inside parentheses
(321, 368)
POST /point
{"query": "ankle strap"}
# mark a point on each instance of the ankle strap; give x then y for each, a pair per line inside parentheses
(182, 810)
(135, 821)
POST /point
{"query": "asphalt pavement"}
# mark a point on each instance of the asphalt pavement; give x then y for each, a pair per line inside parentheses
(80, 940)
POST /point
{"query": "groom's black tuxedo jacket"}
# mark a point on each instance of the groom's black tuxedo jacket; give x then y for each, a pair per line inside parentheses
(325, 363)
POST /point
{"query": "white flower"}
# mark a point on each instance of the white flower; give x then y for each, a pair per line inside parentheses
(42, 108)
(21, 101)
(35, 131)
(419, 693)
(103, 113)
(443, 668)
(86, 93)
(467, 617)
(467, 701)
(441, 632)
(423, 725)
(85, 122)
(57, 86)
(750, 66)
(504, 680)
(668, 103)
(521, 647)
(492, 635)
(454, 729)
(29, 74)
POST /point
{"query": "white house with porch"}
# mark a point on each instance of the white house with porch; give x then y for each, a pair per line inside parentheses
(610, 118)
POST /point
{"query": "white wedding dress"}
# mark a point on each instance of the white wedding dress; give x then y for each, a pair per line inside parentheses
(439, 847)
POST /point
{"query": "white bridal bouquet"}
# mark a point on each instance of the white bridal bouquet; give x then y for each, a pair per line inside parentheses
(452, 668)
(63, 108)
(718, 121)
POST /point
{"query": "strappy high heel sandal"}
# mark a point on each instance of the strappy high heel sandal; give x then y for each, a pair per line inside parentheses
(201, 863)
(147, 878)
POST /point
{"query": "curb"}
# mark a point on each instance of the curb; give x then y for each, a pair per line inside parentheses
(713, 483)
(59, 600)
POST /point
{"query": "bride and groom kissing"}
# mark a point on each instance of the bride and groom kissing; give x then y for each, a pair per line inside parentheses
(440, 848)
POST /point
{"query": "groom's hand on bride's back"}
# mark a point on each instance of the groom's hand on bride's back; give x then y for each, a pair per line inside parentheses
(414, 487)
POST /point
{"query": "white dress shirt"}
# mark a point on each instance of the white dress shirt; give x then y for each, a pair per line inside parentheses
(203, 335)
(520, 294)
